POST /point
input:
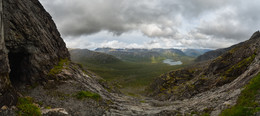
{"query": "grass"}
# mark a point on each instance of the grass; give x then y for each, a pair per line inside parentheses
(133, 72)
(132, 76)
(27, 107)
(205, 114)
(58, 68)
(246, 104)
(86, 94)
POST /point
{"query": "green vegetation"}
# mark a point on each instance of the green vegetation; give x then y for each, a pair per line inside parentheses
(196, 113)
(58, 68)
(242, 64)
(199, 113)
(134, 71)
(246, 104)
(133, 76)
(234, 71)
(86, 94)
(27, 107)
(205, 114)
(48, 107)
(57, 94)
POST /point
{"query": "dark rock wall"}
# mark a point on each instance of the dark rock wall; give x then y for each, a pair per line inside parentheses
(4, 67)
(30, 45)
(32, 39)
(7, 93)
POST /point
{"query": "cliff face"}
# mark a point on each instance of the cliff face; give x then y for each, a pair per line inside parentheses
(6, 91)
(32, 39)
(30, 45)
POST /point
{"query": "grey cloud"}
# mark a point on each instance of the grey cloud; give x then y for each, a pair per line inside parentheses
(222, 20)
(237, 23)
(117, 16)
(224, 26)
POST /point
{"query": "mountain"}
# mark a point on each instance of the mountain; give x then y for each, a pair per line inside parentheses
(216, 53)
(214, 82)
(195, 52)
(212, 54)
(141, 55)
(85, 55)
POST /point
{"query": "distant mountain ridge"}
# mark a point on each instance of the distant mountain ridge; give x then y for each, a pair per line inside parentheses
(141, 55)
(85, 55)
(195, 52)
(187, 52)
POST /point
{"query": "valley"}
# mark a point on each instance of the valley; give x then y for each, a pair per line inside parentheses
(131, 71)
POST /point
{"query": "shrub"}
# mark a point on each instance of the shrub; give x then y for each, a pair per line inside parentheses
(246, 105)
(58, 68)
(86, 94)
(27, 108)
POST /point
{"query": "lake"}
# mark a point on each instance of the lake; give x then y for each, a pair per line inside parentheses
(172, 62)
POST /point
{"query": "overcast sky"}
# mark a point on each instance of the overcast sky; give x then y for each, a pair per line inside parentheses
(154, 23)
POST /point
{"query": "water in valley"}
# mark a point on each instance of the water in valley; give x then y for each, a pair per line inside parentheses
(172, 62)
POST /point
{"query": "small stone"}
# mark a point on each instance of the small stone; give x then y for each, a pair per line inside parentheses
(227, 103)
(4, 108)
(37, 105)
(55, 110)
(257, 114)
(13, 108)
(1, 94)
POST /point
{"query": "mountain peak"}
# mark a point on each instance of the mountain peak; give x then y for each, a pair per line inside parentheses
(255, 35)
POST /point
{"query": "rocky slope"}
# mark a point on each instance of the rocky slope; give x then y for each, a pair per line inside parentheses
(225, 75)
(216, 53)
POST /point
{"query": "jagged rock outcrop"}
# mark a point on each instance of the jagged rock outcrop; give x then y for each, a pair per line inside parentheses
(30, 45)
